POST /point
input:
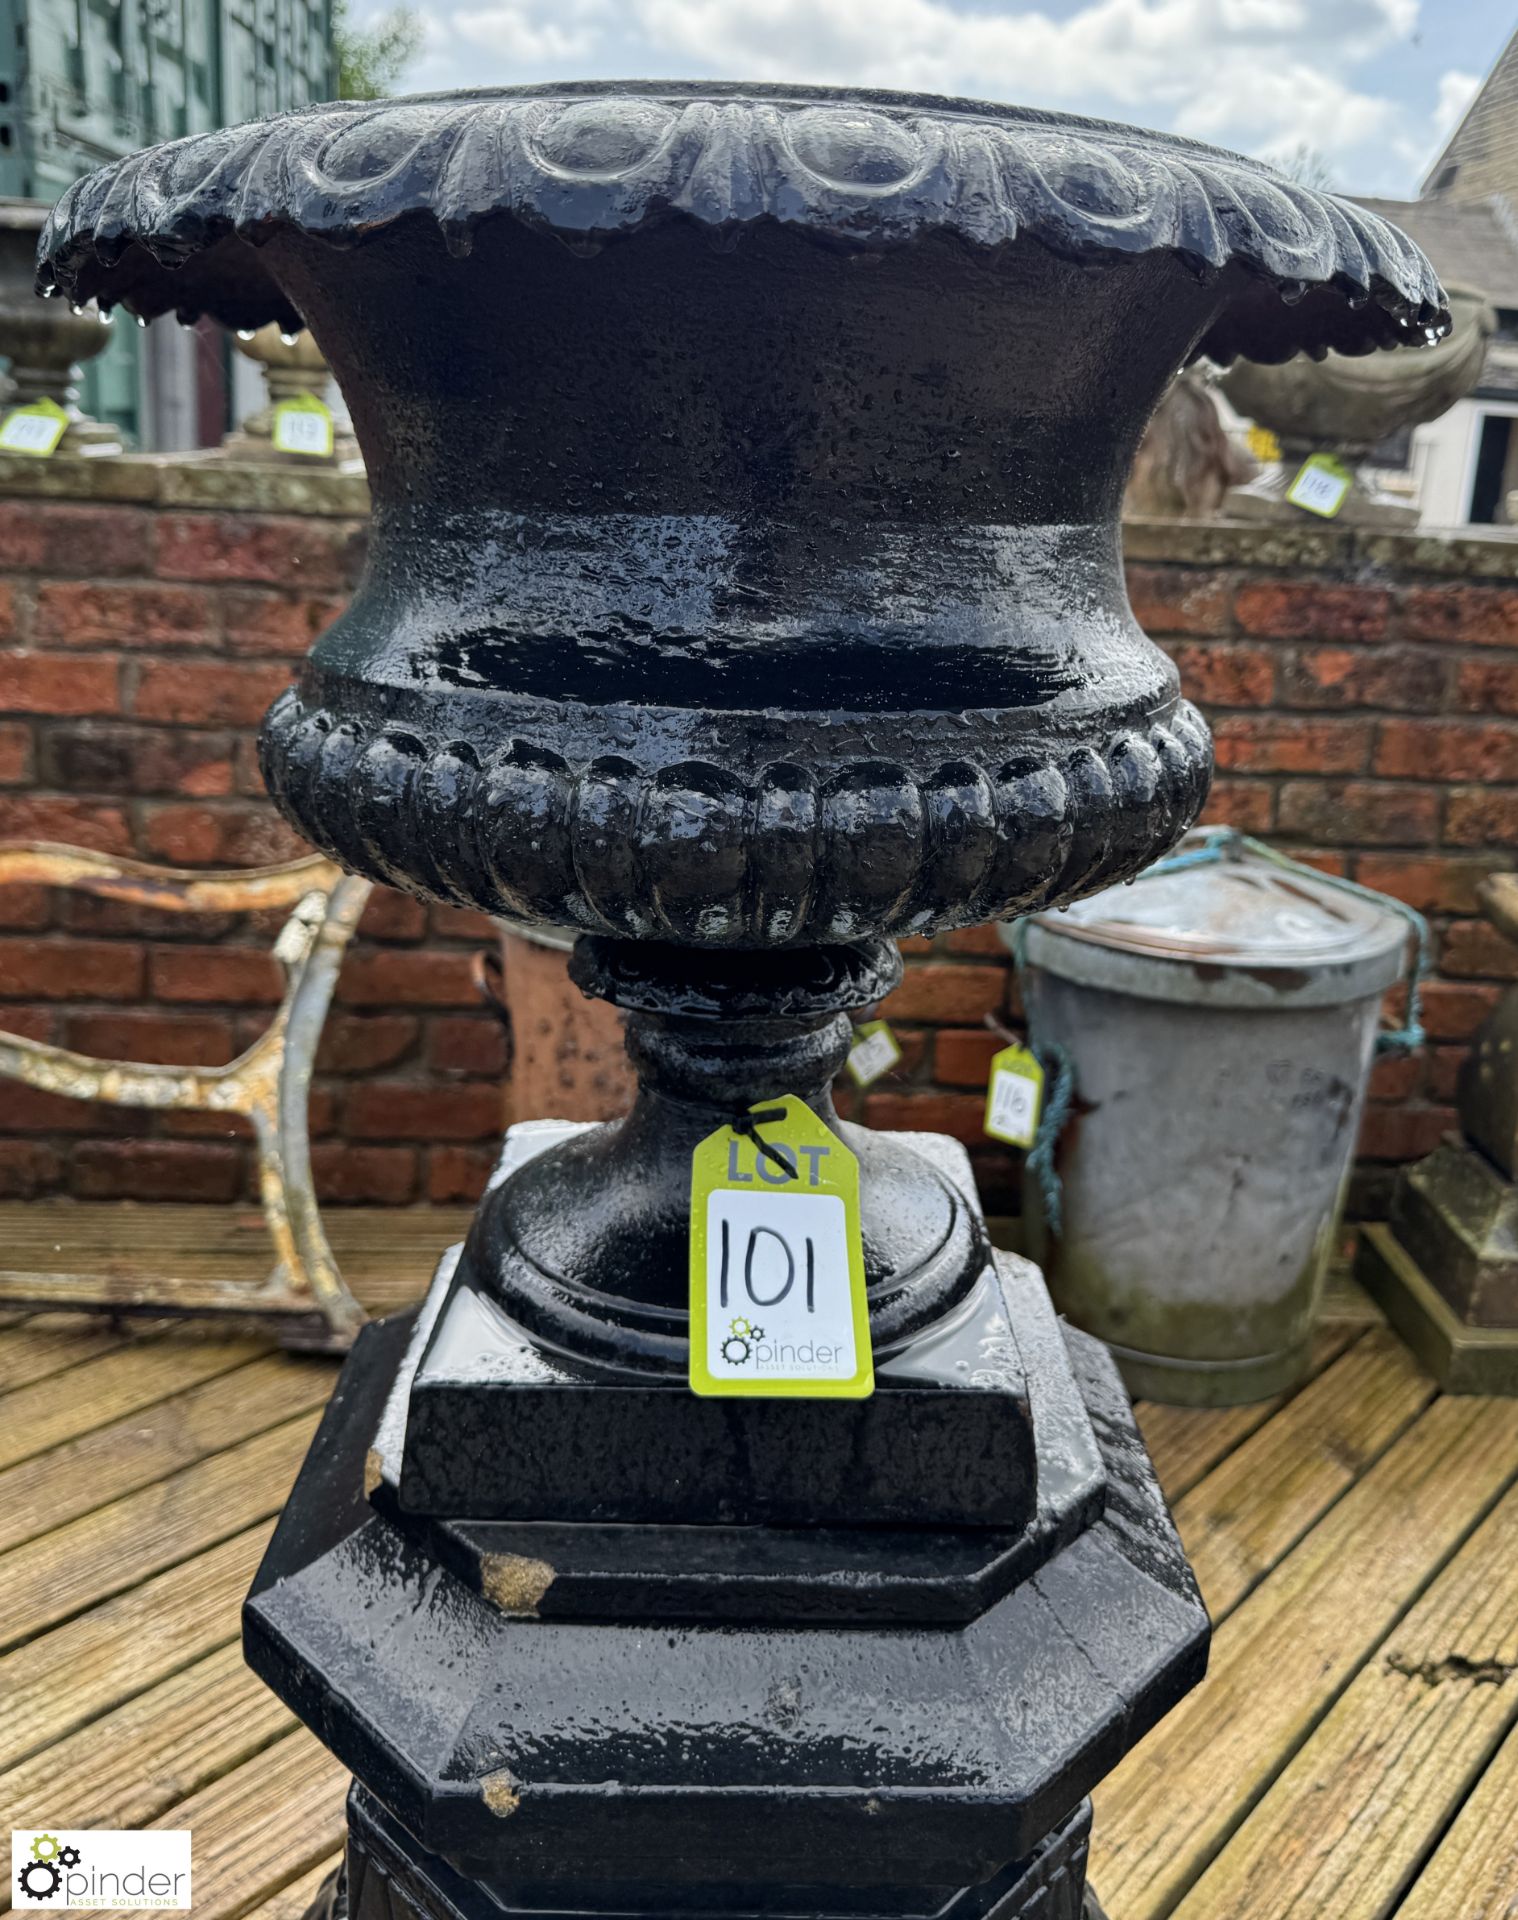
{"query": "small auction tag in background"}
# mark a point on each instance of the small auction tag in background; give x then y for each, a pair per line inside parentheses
(1014, 1095)
(303, 425)
(34, 429)
(777, 1304)
(1320, 485)
(873, 1053)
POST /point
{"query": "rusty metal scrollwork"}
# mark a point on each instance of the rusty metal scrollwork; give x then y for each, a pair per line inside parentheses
(305, 1299)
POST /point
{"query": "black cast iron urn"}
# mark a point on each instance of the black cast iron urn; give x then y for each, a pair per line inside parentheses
(744, 592)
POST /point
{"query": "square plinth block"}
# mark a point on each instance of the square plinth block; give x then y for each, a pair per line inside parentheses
(1462, 1358)
(1457, 1216)
(498, 1428)
(600, 1570)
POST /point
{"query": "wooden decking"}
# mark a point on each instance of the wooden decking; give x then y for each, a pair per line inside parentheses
(1354, 1753)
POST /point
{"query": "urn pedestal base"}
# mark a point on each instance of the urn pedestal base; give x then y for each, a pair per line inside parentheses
(560, 1715)
(586, 1248)
(445, 1443)
(486, 1425)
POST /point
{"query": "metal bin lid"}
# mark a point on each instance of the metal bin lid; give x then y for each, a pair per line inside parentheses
(1239, 932)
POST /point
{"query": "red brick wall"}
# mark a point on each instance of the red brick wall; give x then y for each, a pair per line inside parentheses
(1364, 693)
(141, 650)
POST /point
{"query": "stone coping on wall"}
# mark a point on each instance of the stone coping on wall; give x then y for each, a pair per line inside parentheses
(189, 480)
(206, 480)
(1322, 546)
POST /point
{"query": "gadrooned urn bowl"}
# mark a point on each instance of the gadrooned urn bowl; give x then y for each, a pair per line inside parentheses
(746, 469)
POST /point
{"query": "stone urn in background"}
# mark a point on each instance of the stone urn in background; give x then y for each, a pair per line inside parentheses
(292, 365)
(44, 344)
(1186, 462)
(1345, 407)
(747, 593)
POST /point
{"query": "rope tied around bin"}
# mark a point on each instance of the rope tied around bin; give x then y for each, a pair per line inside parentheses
(1227, 843)
(1051, 1124)
(1215, 845)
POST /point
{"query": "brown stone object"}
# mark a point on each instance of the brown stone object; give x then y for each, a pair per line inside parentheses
(292, 365)
(567, 1057)
(1186, 463)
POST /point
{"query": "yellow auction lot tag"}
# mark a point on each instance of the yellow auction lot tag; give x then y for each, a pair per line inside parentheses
(873, 1053)
(1321, 485)
(34, 430)
(777, 1301)
(1014, 1094)
(303, 425)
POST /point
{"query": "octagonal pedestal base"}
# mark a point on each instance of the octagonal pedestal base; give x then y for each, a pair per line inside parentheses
(531, 1750)
(386, 1876)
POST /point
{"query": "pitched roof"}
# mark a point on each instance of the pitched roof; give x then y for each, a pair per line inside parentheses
(1471, 244)
(1481, 156)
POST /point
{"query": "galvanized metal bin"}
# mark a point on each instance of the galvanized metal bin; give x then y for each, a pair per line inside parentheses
(1221, 1022)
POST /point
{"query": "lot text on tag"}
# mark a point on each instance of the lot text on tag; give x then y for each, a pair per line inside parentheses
(777, 1300)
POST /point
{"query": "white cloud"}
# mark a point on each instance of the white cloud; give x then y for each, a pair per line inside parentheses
(1456, 91)
(1270, 76)
(1255, 71)
(1281, 109)
(524, 40)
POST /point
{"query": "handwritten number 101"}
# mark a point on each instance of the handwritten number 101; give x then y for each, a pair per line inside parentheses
(773, 1299)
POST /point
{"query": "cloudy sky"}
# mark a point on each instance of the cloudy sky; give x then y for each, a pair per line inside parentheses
(1369, 85)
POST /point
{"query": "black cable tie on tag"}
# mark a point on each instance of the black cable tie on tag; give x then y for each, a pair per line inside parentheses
(748, 1125)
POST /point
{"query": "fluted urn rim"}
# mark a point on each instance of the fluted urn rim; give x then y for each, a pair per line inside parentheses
(166, 228)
